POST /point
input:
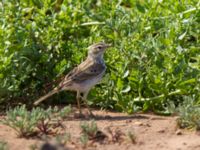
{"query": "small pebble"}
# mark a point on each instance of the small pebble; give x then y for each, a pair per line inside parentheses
(161, 131)
(128, 121)
(179, 132)
(139, 123)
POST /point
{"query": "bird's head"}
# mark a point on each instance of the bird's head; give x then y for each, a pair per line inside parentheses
(97, 50)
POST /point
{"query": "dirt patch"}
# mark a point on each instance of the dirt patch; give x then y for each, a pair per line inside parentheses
(149, 131)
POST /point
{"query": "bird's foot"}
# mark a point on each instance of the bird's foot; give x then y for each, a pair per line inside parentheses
(79, 115)
(84, 116)
(91, 115)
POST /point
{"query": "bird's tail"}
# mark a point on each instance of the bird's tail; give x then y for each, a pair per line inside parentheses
(46, 96)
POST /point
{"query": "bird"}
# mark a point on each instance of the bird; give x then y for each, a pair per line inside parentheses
(83, 77)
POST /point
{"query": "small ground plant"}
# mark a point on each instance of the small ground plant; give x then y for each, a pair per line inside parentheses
(89, 130)
(189, 115)
(22, 121)
(63, 139)
(132, 137)
(28, 123)
(3, 145)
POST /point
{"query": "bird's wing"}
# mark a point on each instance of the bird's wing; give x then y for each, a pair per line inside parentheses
(85, 71)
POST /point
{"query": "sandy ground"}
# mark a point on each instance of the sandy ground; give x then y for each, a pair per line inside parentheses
(150, 132)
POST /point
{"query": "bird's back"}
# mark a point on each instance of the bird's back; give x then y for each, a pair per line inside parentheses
(84, 76)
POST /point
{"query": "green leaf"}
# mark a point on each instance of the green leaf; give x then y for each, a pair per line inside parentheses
(126, 74)
(140, 7)
(126, 90)
(182, 35)
(190, 81)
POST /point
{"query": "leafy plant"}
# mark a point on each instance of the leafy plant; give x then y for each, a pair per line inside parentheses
(3, 145)
(89, 130)
(64, 112)
(22, 121)
(44, 121)
(84, 140)
(189, 114)
(132, 137)
(51, 118)
(154, 60)
(27, 123)
(63, 139)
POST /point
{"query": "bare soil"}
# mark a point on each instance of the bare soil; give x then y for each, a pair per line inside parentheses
(149, 131)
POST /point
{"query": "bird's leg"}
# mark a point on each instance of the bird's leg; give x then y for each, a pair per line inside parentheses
(85, 101)
(78, 102)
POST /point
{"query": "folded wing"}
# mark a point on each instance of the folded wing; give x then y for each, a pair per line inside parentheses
(85, 71)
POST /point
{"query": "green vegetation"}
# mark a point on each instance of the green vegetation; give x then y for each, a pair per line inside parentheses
(153, 63)
(189, 114)
(63, 139)
(89, 130)
(29, 123)
(3, 145)
(132, 137)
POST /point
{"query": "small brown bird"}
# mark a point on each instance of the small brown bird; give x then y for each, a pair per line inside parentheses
(83, 77)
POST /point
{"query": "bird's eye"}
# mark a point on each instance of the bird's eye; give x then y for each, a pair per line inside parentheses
(99, 47)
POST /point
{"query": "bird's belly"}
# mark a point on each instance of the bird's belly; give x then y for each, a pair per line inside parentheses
(86, 85)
